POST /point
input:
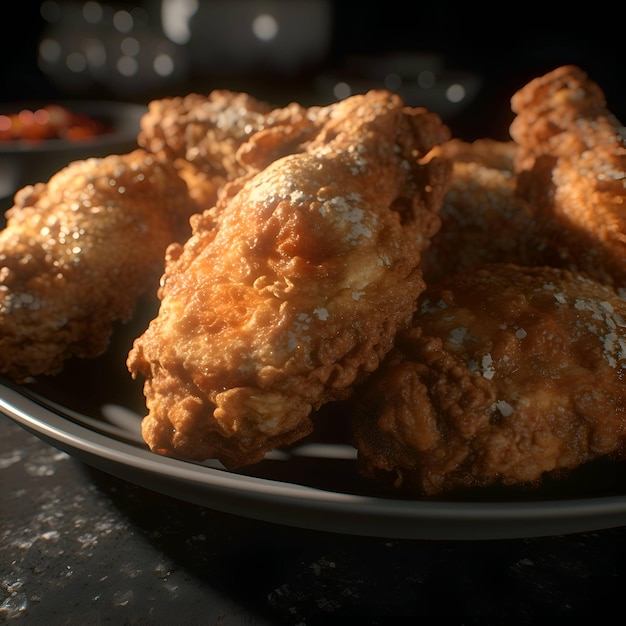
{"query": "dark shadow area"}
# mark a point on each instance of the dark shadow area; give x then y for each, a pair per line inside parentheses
(288, 575)
(506, 48)
(129, 555)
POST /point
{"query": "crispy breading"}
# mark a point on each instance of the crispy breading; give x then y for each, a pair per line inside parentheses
(571, 169)
(508, 373)
(201, 135)
(560, 113)
(483, 219)
(294, 288)
(78, 251)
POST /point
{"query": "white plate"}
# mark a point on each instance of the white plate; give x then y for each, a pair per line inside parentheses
(93, 409)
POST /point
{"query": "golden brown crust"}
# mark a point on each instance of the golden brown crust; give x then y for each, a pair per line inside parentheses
(202, 135)
(508, 373)
(571, 169)
(204, 130)
(294, 288)
(78, 251)
(559, 113)
(553, 196)
(482, 217)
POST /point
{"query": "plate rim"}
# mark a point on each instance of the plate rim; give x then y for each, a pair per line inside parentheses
(308, 507)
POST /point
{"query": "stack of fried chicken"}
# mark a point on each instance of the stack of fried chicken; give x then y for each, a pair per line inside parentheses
(465, 298)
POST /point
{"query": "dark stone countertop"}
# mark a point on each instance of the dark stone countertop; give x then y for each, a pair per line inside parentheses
(79, 546)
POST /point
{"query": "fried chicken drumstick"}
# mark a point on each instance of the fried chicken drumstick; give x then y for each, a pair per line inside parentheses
(78, 251)
(294, 288)
(507, 374)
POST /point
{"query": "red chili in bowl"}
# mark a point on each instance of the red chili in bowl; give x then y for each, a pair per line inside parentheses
(49, 122)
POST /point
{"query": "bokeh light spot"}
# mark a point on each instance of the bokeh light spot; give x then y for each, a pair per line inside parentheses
(342, 90)
(426, 79)
(393, 81)
(95, 52)
(92, 12)
(455, 93)
(123, 21)
(76, 62)
(127, 66)
(265, 27)
(50, 11)
(130, 46)
(50, 50)
(175, 17)
(163, 64)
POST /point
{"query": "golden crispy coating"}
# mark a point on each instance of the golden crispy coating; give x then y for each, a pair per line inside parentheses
(294, 288)
(490, 153)
(560, 113)
(572, 167)
(202, 134)
(483, 219)
(507, 373)
(77, 252)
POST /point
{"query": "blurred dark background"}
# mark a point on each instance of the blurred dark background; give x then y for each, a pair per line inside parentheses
(460, 59)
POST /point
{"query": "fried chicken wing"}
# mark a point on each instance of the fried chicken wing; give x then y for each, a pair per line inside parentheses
(508, 373)
(483, 219)
(202, 134)
(571, 169)
(78, 251)
(294, 288)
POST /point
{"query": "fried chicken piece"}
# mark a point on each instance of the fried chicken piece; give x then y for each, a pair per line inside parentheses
(483, 219)
(294, 288)
(202, 134)
(561, 113)
(572, 167)
(490, 153)
(508, 373)
(78, 251)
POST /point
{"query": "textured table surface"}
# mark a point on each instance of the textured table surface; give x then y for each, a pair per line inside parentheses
(79, 546)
